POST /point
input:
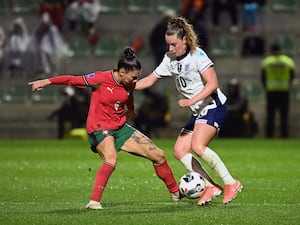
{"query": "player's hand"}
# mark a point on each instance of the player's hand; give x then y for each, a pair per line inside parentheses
(184, 103)
(38, 85)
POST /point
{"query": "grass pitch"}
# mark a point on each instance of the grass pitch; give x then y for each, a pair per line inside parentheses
(49, 182)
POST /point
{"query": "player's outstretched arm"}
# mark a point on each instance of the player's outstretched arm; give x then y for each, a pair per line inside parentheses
(38, 85)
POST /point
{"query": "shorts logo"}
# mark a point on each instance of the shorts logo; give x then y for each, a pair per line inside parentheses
(105, 132)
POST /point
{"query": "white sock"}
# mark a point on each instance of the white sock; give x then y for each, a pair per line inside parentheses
(216, 164)
(187, 162)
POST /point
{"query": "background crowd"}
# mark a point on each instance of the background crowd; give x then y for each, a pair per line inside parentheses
(36, 52)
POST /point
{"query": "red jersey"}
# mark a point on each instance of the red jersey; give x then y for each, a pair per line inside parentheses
(108, 99)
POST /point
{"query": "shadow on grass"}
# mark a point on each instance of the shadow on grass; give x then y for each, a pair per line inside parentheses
(128, 208)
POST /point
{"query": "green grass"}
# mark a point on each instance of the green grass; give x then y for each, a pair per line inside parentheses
(49, 182)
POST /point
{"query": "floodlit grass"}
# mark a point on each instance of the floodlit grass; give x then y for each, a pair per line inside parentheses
(49, 182)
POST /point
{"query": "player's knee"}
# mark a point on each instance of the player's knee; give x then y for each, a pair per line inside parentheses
(199, 149)
(158, 157)
(180, 152)
(177, 154)
(111, 158)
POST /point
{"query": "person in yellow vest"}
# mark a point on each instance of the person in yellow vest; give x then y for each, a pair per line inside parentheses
(278, 71)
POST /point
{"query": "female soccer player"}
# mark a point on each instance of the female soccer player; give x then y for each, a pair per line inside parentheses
(106, 122)
(197, 81)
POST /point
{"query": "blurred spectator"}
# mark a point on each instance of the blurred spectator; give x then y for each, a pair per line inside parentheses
(89, 11)
(47, 46)
(55, 10)
(278, 72)
(16, 49)
(253, 45)
(230, 6)
(137, 43)
(194, 8)
(81, 15)
(73, 111)
(194, 11)
(240, 122)
(93, 38)
(2, 40)
(157, 37)
(153, 113)
(72, 15)
(249, 13)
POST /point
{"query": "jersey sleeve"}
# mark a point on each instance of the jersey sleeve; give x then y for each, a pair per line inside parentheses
(203, 60)
(163, 70)
(90, 80)
(68, 80)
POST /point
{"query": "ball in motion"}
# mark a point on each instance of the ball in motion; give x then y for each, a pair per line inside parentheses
(192, 185)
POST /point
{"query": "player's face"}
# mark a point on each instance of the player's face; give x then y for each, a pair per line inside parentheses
(176, 45)
(130, 77)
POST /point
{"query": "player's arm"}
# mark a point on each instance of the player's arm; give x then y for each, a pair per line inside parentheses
(211, 85)
(60, 80)
(146, 82)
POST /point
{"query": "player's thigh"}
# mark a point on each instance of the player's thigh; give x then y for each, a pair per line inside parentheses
(107, 150)
(139, 144)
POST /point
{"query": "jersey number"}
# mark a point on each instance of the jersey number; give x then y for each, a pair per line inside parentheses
(182, 82)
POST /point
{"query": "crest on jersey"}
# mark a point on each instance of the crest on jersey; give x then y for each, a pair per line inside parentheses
(117, 105)
(179, 67)
(201, 54)
(187, 67)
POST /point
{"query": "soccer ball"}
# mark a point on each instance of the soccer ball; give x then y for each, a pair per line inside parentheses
(192, 185)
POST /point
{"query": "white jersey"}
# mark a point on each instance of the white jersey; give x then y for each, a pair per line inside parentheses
(187, 73)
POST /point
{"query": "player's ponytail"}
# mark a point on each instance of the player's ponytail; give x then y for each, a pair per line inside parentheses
(183, 29)
(129, 60)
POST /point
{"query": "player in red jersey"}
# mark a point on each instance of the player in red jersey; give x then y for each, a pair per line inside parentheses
(111, 101)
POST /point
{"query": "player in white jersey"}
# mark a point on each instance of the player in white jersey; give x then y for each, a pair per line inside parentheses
(197, 81)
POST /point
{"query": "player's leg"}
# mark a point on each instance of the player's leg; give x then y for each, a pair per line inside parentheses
(108, 153)
(141, 145)
(182, 151)
(203, 134)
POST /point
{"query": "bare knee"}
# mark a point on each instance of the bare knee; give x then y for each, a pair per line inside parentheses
(180, 151)
(199, 149)
(158, 157)
(178, 154)
(109, 156)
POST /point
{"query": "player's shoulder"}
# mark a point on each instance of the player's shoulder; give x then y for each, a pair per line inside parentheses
(199, 53)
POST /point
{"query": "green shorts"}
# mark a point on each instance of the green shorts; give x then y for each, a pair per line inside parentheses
(121, 136)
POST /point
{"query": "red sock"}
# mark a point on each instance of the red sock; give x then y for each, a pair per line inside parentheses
(102, 177)
(165, 173)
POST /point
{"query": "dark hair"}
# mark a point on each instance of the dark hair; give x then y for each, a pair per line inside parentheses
(129, 60)
(275, 47)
